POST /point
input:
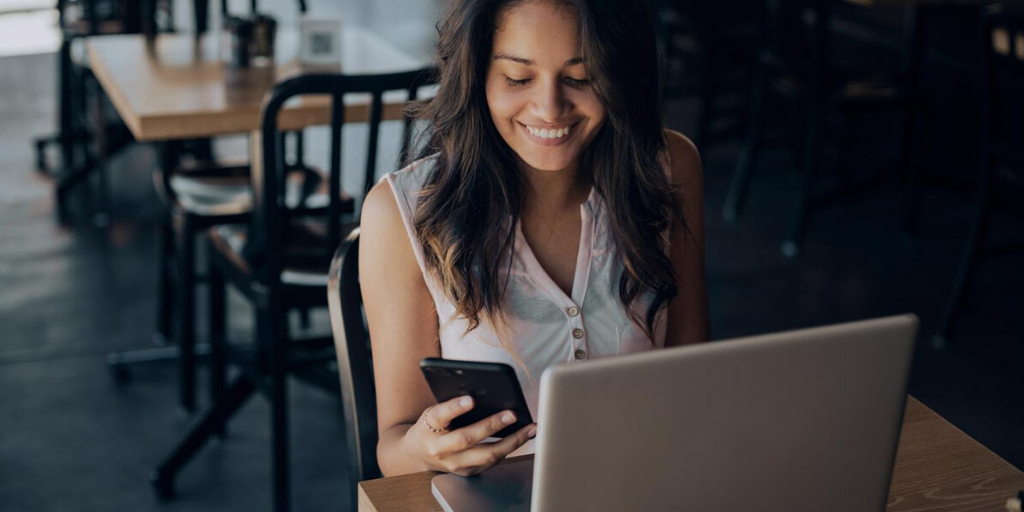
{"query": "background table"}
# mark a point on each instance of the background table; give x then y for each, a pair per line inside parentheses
(938, 468)
(175, 86)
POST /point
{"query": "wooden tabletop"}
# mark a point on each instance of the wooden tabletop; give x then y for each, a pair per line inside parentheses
(175, 86)
(938, 468)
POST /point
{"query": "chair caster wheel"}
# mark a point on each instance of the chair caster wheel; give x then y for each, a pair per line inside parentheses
(163, 487)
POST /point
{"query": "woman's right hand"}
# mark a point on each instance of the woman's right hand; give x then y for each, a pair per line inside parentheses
(462, 451)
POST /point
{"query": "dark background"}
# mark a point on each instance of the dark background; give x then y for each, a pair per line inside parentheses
(72, 438)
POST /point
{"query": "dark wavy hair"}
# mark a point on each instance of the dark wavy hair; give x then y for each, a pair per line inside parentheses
(462, 219)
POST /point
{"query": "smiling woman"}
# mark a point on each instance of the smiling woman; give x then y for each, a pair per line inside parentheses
(549, 220)
(537, 88)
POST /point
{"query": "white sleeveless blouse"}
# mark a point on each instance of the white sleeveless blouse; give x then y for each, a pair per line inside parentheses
(546, 327)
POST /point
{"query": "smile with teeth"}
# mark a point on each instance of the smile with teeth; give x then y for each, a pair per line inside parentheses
(548, 133)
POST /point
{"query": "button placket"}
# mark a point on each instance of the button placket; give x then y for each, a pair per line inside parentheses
(577, 333)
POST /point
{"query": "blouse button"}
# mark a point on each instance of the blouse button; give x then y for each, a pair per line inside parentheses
(580, 354)
(577, 333)
(573, 311)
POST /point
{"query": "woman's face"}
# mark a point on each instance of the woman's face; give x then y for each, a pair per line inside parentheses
(538, 91)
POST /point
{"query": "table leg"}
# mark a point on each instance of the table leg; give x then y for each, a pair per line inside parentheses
(201, 11)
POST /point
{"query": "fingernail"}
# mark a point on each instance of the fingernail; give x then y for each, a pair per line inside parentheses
(532, 433)
(508, 418)
(465, 402)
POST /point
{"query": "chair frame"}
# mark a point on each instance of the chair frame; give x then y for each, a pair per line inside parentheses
(355, 369)
(990, 152)
(817, 97)
(84, 149)
(274, 356)
(177, 246)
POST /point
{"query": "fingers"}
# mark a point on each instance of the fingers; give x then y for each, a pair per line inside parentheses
(472, 435)
(482, 457)
(440, 415)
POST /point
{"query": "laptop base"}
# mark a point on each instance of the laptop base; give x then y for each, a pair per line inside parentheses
(505, 488)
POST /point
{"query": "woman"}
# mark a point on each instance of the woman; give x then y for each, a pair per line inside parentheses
(555, 222)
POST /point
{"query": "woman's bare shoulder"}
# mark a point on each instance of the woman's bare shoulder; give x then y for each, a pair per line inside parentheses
(380, 210)
(384, 239)
(684, 159)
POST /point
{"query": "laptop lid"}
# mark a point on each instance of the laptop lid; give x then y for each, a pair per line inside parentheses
(801, 421)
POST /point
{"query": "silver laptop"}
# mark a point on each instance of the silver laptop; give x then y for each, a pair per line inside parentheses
(801, 421)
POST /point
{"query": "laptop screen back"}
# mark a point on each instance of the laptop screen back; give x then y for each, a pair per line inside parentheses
(801, 421)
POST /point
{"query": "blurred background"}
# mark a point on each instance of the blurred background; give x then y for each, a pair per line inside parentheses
(862, 158)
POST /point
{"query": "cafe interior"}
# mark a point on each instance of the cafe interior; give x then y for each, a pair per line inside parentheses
(861, 158)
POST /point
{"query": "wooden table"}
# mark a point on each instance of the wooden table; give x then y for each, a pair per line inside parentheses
(175, 86)
(938, 468)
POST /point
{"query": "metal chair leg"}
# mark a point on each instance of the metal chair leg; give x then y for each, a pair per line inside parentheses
(165, 284)
(66, 131)
(186, 312)
(218, 338)
(975, 240)
(201, 12)
(162, 478)
(909, 162)
(273, 329)
(72, 109)
(815, 114)
(102, 144)
(748, 155)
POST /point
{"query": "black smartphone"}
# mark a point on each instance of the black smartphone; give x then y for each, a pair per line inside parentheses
(493, 386)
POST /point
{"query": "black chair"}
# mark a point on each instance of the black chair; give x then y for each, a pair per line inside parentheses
(280, 263)
(87, 136)
(1001, 145)
(199, 196)
(355, 365)
(796, 63)
(199, 193)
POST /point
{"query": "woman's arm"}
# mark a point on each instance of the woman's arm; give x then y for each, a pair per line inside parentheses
(403, 325)
(403, 330)
(688, 312)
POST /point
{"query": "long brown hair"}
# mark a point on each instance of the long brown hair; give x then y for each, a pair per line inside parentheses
(470, 205)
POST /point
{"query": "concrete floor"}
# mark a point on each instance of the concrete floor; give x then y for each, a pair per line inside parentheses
(71, 438)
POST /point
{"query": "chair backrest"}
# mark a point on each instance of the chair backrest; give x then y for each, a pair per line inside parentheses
(1002, 84)
(355, 364)
(271, 215)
